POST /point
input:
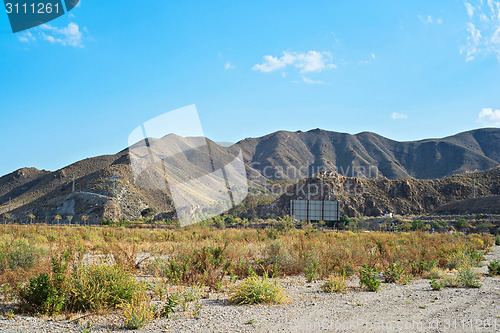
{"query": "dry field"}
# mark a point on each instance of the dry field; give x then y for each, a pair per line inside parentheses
(194, 279)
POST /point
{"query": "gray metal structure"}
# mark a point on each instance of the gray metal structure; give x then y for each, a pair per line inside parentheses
(315, 210)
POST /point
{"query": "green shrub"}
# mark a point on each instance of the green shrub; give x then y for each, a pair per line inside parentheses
(276, 253)
(45, 294)
(461, 223)
(100, 287)
(311, 271)
(170, 305)
(346, 270)
(208, 266)
(494, 268)
(19, 255)
(420, 267)
(406, 278)
(256, 290)
(148, 212)
(465, 257)
(369, 277)
(451, 281)
(105, 221)
(436, 285)
(284, 224)
(334, 284)
(41, 296)
(417, 225)
(497, 240)
(434, 273)
(172, 270)
(137, 313)
(468, 278)
(191, 295)
(393, 273)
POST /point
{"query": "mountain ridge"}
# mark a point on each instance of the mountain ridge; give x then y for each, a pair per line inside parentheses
(105, 185)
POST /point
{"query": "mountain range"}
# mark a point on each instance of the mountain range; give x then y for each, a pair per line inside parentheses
(104, 186)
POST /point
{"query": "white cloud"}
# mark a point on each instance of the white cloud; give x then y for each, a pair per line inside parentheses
(312, 61)
(26, 37)
(373, 56)
(489, 117)
(470, 9)
(310, 81)
(67, 36)
(397, 115)
(430, 20)
(228, 66)
(483, 29)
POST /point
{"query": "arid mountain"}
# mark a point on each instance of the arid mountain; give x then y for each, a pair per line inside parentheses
(366, 152)
(105, 186)
(375, 197)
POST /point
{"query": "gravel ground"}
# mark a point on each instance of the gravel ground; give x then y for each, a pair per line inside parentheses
(411, 308)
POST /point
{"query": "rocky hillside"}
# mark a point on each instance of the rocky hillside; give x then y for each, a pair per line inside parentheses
(375, 197)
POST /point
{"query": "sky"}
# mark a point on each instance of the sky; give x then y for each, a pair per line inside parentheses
(77, 86)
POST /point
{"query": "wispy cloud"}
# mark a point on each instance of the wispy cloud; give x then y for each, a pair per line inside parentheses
(308, 80)
(489, 117)
(228, 66)
(67, 36)
(336, 40)
(366, 62)
(71, 35)
(26, 37)
(312, 61)
(397, 115)
(430, 20)
(483, 29)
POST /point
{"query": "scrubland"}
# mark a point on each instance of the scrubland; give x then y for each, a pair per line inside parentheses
(159, 277)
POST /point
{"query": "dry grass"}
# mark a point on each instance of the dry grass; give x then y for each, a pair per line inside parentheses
(203, 255)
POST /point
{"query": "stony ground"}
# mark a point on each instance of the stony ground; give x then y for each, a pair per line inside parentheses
(404, 308)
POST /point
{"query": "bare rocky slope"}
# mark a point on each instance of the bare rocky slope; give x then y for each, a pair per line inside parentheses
(374, 197)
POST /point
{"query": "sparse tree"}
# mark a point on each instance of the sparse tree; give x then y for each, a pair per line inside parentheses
(85, 218)
(57, 218)
(32, 218)
(6, 217)
(69, 218)
(462, 223)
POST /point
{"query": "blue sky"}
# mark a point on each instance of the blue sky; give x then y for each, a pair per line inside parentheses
(79, 85)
